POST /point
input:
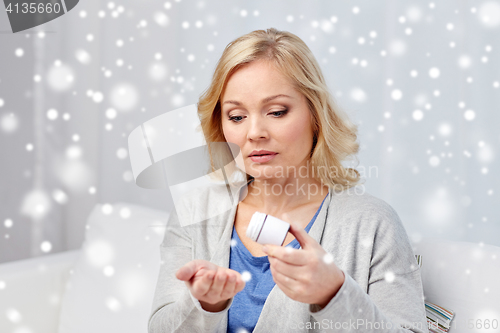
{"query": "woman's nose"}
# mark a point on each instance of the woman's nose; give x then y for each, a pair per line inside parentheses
(257, 129)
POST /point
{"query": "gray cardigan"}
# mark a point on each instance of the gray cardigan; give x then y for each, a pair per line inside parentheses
(382, 287)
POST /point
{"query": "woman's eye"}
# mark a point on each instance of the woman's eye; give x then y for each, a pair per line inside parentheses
(280, 113)
(276, 114)
(235, 119)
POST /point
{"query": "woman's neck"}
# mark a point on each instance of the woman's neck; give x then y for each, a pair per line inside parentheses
(274, 196)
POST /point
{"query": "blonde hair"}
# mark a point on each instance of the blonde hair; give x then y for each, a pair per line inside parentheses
(334, 134)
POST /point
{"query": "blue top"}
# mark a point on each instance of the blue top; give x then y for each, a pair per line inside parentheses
(247, 304)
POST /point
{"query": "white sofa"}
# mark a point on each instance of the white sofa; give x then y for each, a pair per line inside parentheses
(31, 298)
(106, 286)
(465, 278)
(79, 291)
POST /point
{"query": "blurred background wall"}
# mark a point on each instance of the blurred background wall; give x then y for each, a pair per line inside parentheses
(422, 80)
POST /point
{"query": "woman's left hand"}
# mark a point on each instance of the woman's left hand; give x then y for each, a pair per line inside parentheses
(306, 275)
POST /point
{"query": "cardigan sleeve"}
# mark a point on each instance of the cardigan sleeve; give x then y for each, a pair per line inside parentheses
(174, 307)
(394, 300)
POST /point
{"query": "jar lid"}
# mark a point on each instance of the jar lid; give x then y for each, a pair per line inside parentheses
(255, 225)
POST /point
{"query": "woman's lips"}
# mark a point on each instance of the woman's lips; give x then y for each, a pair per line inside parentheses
(263, 158)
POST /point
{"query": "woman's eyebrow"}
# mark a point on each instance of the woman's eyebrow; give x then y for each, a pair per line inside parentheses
(265, 100)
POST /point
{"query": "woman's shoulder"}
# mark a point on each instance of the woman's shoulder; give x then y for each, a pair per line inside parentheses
(201, 206)
(359, 215)
(210, 194)
(207, 201)
(357, 199)
(355, 205)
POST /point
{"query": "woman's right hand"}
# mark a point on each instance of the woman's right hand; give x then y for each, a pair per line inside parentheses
(212, 285)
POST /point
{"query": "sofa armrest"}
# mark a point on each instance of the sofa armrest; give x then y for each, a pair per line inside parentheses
(31, 291)
(462, 277)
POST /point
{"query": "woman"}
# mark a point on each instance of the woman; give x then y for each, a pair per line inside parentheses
(355, 268)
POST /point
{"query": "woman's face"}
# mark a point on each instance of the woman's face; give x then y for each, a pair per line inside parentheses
(262, 111)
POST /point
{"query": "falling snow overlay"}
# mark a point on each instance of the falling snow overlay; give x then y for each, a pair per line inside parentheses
(420, 79)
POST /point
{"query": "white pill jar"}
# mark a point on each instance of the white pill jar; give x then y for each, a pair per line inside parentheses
(267, 229)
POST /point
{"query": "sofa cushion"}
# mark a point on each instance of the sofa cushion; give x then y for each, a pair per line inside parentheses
(112, 284)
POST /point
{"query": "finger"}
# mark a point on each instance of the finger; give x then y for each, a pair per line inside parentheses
(285, 283)
(187, 271)
(218, 285)
(299, 233)
(229, 287)
(302, 237)
(202, 287)
(298, 273)
(240, 285)
(287, 254)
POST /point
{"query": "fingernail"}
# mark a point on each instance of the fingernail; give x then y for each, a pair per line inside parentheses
(264, 248)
